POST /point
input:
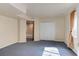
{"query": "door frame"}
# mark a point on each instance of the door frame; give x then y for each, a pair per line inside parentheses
(33, 28)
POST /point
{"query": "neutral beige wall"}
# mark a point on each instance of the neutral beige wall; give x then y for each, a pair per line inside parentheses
(8, 31)
(22, 30)
(36, 30)
(59, 26)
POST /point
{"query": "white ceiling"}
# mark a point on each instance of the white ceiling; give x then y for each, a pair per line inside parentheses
(42, 10)
(21, 6)
(34, 10)
(8, 10)
(12, 10)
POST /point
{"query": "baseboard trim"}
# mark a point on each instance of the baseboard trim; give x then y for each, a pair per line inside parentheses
(70, 49)
(7, 45)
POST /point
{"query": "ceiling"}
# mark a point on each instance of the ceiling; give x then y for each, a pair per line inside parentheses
(12, 10)
(43, 10)
(8, 10)
(34, 10)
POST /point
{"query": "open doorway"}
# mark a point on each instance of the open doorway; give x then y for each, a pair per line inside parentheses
(30, 31)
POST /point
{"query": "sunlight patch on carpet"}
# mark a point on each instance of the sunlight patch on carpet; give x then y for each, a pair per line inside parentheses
(50, 51)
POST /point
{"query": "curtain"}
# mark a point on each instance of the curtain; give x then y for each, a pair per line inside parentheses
(70, 37)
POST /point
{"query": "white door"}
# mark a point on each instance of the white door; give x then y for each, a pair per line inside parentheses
(47, 31)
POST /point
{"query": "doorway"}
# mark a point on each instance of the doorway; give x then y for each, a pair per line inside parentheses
(30, 31)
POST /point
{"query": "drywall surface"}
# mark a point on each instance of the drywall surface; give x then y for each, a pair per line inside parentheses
(58, 28)
(36, 30)
(8, 31)
(77, 40)
(22, 30)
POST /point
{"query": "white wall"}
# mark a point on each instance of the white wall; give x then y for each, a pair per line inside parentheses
(59, 27)
(8, 31)
(78, 22)
(77, 46)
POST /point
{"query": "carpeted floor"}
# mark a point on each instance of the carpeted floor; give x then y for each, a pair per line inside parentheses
(39, 48)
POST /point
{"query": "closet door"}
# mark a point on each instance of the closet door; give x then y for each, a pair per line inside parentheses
(47, 31)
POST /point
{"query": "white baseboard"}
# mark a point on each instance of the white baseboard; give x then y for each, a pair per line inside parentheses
(7, 45)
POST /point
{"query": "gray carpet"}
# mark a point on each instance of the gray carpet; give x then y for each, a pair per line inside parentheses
(35, 49)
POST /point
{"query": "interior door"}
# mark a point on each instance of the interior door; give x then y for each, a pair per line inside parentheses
(47, 31)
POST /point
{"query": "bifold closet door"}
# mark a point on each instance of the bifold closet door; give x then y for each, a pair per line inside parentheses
(47, 31)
